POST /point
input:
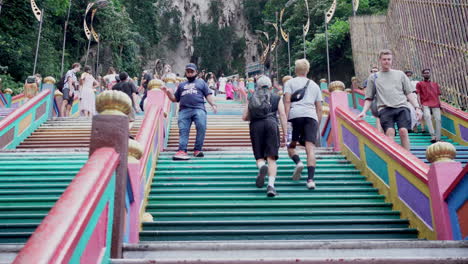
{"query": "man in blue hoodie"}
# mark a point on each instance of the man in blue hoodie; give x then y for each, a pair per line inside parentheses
(191, 97)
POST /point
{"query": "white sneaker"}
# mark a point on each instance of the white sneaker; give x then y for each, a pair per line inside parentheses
(298, 171)
(310, 184)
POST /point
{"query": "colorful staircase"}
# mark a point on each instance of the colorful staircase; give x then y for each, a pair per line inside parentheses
(420, 141)
(33, 176)
(208, 210)
(60, 133)
(215, 198)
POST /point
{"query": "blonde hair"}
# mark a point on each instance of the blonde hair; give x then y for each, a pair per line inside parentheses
(384, 52)
(302, 66)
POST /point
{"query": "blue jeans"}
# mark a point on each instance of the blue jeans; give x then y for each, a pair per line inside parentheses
(186, 117)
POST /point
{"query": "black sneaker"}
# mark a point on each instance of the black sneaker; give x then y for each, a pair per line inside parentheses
(271, 192)
(262, 172)
(433, 141)
(198, 154)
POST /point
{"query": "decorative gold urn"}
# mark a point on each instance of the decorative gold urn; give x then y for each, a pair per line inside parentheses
(113, 103)
(57, 93)
(8, 91)
(147, 218)
(323, 80)
(440, 152)
(170, 80)
(135, 150)
(336, 86)
(49, 80)
(348, 90)
(155, 84)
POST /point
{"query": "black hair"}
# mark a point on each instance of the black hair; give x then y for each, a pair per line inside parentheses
(123, 76)
(427, 69)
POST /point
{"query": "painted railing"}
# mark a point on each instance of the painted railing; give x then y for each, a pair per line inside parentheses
(400, 176)
(151, 136)
(78, 229)
(19, 124)
(457, 205)
(17, 101)
(454, 121)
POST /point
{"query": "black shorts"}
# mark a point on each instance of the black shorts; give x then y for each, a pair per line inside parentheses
(304, 129)
(67, 97)
(389, 116)
(265, 138)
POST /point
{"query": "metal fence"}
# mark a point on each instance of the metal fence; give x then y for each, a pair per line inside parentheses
(422, 34)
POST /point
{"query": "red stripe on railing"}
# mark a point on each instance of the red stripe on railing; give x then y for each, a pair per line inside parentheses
(455, 111)
(55, 240)
(17, 97)
(146, 133)
(13, 116)
(397, 152)
(456, 182)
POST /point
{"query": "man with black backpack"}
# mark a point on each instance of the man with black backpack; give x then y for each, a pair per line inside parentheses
(303, 104)
(68, 85)
(264, 133)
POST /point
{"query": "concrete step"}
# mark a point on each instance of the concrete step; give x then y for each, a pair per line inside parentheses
(356, 251)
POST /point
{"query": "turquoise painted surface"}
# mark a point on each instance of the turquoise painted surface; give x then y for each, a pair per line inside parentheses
(149, 162)
(108, 197)
(32, 127)
(75, 109)
(377, 164)
(448, 124)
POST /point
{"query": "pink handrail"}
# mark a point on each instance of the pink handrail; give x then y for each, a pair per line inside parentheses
(13, 116)
(55, 240)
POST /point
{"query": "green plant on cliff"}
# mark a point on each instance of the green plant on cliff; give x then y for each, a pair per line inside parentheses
(217, 48)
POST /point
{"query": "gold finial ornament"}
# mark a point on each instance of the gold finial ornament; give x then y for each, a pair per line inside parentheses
(147, 218)
(353, 79)
(57, 93)
(336, 86)
(135, 150)
(440, 152)
(155, 84)
(348, 90)
(8, 91)
(113, 103)
(49, 80)
(323, 80)
(170, 80)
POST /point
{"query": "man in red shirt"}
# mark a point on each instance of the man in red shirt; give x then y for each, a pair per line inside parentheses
(429, 93)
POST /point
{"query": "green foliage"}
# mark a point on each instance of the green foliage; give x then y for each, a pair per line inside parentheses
(295, 17)
(218, 49)
(129, 30)
(9, 82)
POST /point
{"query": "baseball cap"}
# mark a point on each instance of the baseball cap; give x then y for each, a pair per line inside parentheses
(263, 82)
(191, 66)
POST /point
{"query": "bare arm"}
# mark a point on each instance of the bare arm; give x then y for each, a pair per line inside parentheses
(287, 104)
(318, 108)
(365, 108)
(283, 119)
(210, 100)
(413, 99)
(245, 114)
(169, 94)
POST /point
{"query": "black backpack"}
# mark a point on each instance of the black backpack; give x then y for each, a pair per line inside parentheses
(260, 106)
(61, 83)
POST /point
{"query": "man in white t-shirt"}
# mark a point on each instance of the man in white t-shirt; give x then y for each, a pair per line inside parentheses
(304, 114)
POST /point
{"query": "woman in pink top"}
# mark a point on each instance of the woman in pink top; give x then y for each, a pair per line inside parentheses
(229, 90)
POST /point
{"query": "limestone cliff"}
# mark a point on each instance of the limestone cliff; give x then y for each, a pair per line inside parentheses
(232, 15)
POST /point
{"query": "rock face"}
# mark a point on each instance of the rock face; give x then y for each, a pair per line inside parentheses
(233, 15)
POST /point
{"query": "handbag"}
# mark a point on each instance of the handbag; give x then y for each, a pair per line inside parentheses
(299, 94)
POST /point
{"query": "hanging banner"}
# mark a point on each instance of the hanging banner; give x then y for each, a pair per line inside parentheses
(95, 35)
(265, 54)
(283, 33)
(356, 5)
(307, 25)
(37, 12)
(331, 12)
